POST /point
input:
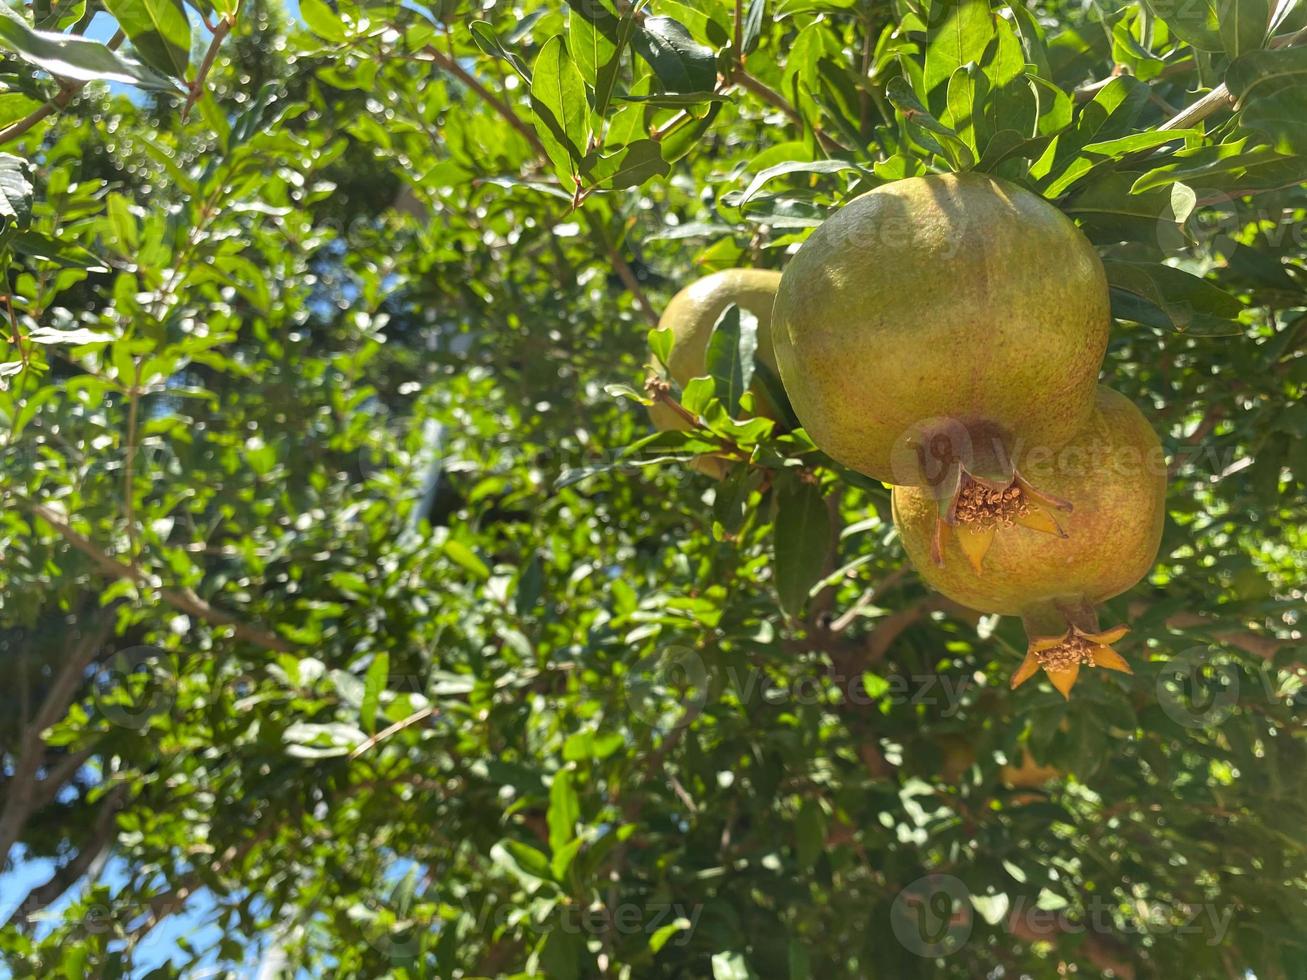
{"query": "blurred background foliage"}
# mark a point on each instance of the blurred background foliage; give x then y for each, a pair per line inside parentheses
(350, 607)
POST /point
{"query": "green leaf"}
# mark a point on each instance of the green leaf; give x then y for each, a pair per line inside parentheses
(1244, 24)
(933, 134)
(686, 138)
(788, 8)
(766, 381)
(159, 32)
(671, 100)
(753, 21)
(1110, 115)
(964, 112)
(730, 355)
(1231, 166)
(466, 558)
(1197, 22)
(589, 46)
(323, 21)
(564, 810)
(559, 107)
(660, 343)
(69, 255)
(77, 58)
(560, 955)
(763, 177)
(1109, 213)
(629, 166)
(663, 933)
(14, 106)
(488, 41)
(1278, 117)
(801, 538)
(810, 833)
(374, 682)
(606, 78)
(800, 962)
(1263, 71)
(681, 63)
(1137, 141)
(1032, 40)
(15, 192)
(528, 863)
(1162, 296)
(125, 231)
(1270, 88)
(957, 33)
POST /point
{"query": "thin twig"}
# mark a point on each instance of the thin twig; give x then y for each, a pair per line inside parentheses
(399, 726)
(129, 466)
(220, 32)
(1214, 101)
(769, 95)
(846, 618)
(739, 33)
(448, 64)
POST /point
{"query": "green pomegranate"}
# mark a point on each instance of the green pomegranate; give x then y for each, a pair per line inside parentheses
(938, 304)
(996, 554)
(694, 311)
(691, 315)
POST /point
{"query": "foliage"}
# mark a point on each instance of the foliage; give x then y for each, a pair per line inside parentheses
(348, 599)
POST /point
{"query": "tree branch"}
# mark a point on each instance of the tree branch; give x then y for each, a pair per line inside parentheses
(183, 599)
(20, 788)
(420, 715)
(67, 874)
(1258, 644)
(1220, 98)
(59, 775)
(166, 903)
(1105, 952)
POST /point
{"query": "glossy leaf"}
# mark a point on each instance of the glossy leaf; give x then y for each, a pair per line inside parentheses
(958, 33)
(628, 166)
(802, 537)
(159, 31)
(76, 58)
(1197, 22)
(558, 102)
(681, 63)
(488, 41)
(15, 192)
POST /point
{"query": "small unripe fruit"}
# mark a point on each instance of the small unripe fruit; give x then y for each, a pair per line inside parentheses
(691, 316)
(694, 311)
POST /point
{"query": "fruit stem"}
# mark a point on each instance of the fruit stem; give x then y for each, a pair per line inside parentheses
(1053, 617)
